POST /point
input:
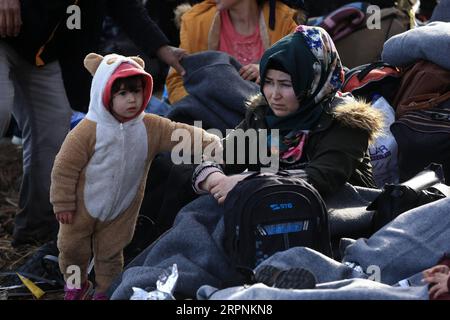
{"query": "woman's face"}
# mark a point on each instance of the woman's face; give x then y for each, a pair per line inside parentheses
(279, 93)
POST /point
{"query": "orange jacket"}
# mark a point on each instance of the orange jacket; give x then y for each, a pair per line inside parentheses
(200, 31)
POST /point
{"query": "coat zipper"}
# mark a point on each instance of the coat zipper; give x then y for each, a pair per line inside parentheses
(119, 173)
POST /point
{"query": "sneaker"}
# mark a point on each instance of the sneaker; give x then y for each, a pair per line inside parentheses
(267, 274)
(100, 296)
(294, 278)
(83, 293)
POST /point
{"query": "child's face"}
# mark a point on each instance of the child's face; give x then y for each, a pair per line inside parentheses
(127, 103)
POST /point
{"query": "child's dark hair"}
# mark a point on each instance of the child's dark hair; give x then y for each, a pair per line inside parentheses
(129, 84)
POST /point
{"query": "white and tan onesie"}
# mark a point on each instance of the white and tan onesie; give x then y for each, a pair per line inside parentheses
(100, 173)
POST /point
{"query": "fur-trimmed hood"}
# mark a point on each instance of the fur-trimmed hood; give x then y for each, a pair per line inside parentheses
(350, 112)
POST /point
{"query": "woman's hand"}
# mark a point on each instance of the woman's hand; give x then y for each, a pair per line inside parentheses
(10, 18)
(250, 72)
(65, 217)
(219, 185)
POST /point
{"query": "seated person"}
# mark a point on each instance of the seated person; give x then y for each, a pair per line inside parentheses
(240, 28)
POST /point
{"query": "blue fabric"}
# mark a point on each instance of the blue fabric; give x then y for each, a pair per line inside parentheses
(157, 106)
(76, 118)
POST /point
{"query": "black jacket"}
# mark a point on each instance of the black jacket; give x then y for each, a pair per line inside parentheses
(43, 17)
(45, 25)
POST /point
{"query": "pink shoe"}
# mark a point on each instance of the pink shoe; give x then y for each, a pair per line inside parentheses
(100, 296)
(83, 293)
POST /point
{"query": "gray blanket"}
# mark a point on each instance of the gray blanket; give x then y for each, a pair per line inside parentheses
(430, 42)
(414, 241)
(193, 243)
(217, 93)
(352, 289)
(442, 11)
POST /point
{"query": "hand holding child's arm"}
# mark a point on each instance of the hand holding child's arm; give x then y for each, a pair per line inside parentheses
(65, 217)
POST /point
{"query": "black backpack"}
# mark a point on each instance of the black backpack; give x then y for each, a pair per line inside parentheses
(267, 213)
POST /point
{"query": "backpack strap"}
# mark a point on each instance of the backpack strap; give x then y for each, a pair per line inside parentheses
(371, 67)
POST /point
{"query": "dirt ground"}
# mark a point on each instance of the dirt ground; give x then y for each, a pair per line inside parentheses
(10, 178)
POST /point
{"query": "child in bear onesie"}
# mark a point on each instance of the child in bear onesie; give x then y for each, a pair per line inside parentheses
(99, 174)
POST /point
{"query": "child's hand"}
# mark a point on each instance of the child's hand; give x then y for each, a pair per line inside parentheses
(65, 217)
(440, 281)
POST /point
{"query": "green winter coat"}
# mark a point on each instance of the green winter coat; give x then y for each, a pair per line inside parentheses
(336, 151)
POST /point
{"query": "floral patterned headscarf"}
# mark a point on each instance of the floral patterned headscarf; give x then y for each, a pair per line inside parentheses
(311, 59)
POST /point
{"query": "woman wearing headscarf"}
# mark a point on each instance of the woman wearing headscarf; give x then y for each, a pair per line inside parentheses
(321, 131)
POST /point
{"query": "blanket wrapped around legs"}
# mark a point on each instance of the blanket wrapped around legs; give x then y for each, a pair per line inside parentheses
(414, 241)
(194, 243)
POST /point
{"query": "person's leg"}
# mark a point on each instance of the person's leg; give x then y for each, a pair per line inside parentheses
(194, 243)
(6, 87)
(324, 268)
(110, 238)
(412, 242)
(43, 114)
(74, 244)
(350, 289)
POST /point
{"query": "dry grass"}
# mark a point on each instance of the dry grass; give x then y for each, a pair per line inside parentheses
(10, 174)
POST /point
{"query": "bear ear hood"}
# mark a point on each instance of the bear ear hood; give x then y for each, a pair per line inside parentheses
(93, 60)
(105, 71)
